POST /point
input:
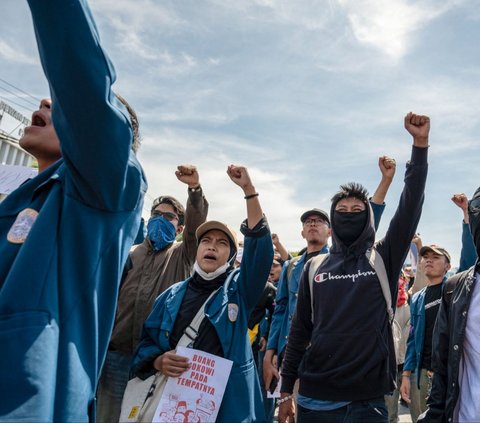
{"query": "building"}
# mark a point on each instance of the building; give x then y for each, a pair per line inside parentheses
(10, 151)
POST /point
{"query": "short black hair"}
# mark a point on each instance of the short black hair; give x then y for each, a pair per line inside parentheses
(177, 206)
(351, 190)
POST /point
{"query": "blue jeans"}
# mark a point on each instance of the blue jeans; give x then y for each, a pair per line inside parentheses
(111, 386)
(372, 411)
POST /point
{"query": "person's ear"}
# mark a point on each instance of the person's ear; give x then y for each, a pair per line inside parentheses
(179, 229)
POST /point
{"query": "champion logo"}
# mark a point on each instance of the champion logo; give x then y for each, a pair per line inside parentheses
(325, 276)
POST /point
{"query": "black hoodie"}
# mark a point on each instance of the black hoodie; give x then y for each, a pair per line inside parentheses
(347, 354)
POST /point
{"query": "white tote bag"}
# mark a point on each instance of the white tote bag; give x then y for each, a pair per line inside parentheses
(141, 397)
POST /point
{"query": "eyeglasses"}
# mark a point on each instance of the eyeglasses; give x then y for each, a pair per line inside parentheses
(474, 204)
(315, 222)
(167, 215)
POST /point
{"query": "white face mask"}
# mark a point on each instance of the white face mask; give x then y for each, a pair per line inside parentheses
(209, 276)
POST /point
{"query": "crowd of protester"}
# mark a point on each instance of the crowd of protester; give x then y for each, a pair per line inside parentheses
(343, 330)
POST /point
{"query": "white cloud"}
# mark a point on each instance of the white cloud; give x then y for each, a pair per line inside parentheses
(9, 53)
(391, 28)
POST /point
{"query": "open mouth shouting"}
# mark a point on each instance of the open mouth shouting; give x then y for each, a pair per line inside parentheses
(39, 120)
(210, 258)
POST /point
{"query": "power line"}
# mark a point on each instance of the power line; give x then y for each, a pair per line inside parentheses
(13, 102)
(22, 91)
(22, 98)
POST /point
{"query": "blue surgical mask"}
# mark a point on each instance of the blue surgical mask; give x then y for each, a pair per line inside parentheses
(161, 232)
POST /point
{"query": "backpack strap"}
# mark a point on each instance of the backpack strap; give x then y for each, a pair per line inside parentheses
(378, 265)
(315, 263)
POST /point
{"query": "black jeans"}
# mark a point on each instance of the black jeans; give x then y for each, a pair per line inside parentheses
(371, 411)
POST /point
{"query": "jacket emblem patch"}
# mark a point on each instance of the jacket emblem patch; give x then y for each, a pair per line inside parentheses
(232, 312)
(21, 227)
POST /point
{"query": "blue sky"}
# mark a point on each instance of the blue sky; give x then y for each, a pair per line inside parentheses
(306, 94)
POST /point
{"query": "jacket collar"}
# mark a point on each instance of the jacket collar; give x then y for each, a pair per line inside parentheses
(25, 193)
(174, 302)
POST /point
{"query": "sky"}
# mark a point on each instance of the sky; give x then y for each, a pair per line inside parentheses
(306, 94)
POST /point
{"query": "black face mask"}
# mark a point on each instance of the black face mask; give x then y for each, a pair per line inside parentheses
(474, 217)
(348, 226)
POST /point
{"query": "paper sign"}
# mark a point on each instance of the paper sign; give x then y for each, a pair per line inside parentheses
(197, 394)
(11, 177)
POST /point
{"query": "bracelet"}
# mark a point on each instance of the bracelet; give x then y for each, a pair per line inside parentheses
(282, 400)
(197, 188)
(405, 375)
(247, 197)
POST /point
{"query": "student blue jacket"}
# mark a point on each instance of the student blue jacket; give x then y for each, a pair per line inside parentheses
(416, 337)
(59, 285)
(242, 401)
(287, 292)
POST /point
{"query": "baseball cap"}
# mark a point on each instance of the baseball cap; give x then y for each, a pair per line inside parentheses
(316, 212)
(436, 249)
(215, 224)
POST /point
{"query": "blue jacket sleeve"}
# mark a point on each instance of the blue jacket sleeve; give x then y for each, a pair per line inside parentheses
(468, 255)
(256, 263)
(378, 210)
(411, 352)
(93, 126)
(281, 304)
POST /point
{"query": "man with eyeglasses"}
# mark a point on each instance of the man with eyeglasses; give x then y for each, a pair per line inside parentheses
(316, 231)
(153, 266)
(456, 342)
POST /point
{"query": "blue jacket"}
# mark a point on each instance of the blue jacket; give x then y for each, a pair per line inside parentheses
(413, 355)
(59, 287)
(287, 292)
(285, 303)
(416, 337)
(468, 255)
(242, 400)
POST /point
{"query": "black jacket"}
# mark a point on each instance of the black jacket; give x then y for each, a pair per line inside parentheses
(448, 337)
(347, 354)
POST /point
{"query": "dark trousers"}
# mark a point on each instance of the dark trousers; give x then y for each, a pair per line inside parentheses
(372, 411)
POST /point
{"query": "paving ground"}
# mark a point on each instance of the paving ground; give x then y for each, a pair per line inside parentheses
(404, 414)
